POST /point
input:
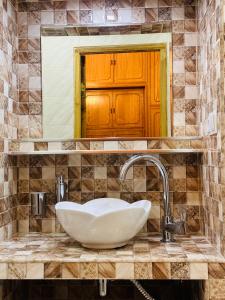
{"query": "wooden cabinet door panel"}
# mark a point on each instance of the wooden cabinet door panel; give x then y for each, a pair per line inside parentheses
(98, 109)
(128, 108)
(154, 121)
(154, 77)
(128, 133)
(99, 133)
(99, 70)
(130, 68)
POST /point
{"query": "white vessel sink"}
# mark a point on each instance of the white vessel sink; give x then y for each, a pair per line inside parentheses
(103, 223)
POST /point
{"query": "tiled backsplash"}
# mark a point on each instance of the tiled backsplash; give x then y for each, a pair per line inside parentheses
(178, 17)
(93, 176)
(8, 117)
(8, 196)
(211, 80)
(8, 71)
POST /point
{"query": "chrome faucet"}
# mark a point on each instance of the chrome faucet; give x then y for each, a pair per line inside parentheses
(60, 188)
(169, 227)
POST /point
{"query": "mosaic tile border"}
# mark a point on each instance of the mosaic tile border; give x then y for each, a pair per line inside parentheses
(107, 270)
(109, 146)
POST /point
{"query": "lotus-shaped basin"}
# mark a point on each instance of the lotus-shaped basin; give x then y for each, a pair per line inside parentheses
(103, 223)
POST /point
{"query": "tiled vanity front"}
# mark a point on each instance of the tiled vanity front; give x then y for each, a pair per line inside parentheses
(57, 256)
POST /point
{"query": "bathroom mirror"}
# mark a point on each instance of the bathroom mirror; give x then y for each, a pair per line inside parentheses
(105, 85)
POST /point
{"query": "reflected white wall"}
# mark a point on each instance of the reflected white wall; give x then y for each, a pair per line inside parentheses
(58, 76)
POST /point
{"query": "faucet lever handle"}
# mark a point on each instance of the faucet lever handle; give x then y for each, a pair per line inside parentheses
(181, 223)
(180, 227)
(183, 214)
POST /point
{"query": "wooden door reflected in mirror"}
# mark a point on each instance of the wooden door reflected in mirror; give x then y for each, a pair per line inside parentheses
(123, 94)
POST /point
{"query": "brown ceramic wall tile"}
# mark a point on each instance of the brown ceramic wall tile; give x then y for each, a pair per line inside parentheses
(70, 270)
(40, 146)
(52, 270)
(211, 36)
(161, 270)
(107, 270)
(216, 271)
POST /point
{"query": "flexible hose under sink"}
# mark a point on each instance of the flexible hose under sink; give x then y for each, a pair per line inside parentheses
(142, 290)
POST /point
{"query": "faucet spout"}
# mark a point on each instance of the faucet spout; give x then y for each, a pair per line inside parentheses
(162, 171)
(169, 227)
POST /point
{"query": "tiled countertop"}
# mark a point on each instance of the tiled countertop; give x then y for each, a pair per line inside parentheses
(45, 256)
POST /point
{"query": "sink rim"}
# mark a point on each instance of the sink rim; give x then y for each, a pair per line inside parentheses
(88, 209)
(109, 227)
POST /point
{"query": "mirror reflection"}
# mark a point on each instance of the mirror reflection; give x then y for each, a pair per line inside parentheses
(106, 86)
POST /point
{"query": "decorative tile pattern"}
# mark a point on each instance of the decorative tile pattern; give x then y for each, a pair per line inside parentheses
(96, 176)
(188, 260)
(8, 116)
(211, 81)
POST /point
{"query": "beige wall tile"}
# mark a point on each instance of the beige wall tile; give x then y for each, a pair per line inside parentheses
(139, 185)
(17, 270)
(35, 271)
(198, 271)
(124, 270)
(111, 145)
(100, 173)
(3, 270)
(74, 160)
(179, 172)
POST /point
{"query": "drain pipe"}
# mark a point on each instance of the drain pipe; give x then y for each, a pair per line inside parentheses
(103, 289)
